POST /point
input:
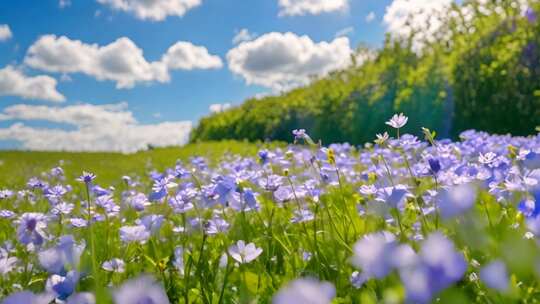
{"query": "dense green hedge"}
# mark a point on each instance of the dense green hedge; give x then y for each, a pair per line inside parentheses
(482, 74)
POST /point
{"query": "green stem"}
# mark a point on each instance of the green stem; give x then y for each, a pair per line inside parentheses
(225, 281)
(415, 185)
(345, 207)
(92, 242)
(398, 216)
(487, 214)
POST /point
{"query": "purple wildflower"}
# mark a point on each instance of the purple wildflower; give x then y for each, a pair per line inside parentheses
(54, 194)
(303, 215)
(137, 233)
(139, 201)
(180, 203)
(114, 265)
(394, 197)
(300, 134)
(4, 213)
(368, 190)
(62, 209)
(225, 189)
(434, 165)
(358, 279)
(283, 194)
(271, 182)
(35, 183)
(31, 229)
(107, 203)
(100, 191)
(62, 286)
(78, 222)
(263, 156)
(152, 222)
(216, 225)
(243, 253)
(250, 198)
(5, 194)
(397, 121)
(161, 187)
(7, 264)
(86, 177)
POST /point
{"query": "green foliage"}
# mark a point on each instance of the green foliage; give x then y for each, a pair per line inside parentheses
(482, 73)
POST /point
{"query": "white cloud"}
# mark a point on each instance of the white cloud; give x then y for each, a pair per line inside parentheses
(109, 127)
(404, 17)
(186, 56)
(284, 60)
(155, 10)
(82, 115)
(120, 61)
(243, 35)
(64, 3)
(370, 17)
(313, 7)
(219, 107)
(345, 32)
(5, 32)
(13, 82)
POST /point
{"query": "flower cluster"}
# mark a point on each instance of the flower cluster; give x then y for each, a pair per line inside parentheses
(293, 224)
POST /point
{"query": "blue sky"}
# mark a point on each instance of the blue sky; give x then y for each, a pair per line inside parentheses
(188, 94)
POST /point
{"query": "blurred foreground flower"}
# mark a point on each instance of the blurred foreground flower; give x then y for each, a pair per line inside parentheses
(495, 276)
(140, 290)
(456, 200)
(305, 291)
(437, 266)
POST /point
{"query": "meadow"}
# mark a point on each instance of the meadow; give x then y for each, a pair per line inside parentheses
(401, 219)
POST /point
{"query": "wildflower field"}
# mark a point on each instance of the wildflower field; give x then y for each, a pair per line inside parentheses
(402, 219)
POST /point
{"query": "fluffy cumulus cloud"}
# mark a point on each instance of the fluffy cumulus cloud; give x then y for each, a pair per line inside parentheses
(5, 32)
(218, 107)
(109, 127)
(284, 60)
(243, 35)
(313, 7)
(186, 56)
(121, 61)
(13, 82)
(404, 17)
(154, 10)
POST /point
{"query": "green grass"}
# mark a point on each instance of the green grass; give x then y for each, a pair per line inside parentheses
(16, 167)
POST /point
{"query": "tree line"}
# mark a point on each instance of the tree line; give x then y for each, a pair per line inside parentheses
(480, 72)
